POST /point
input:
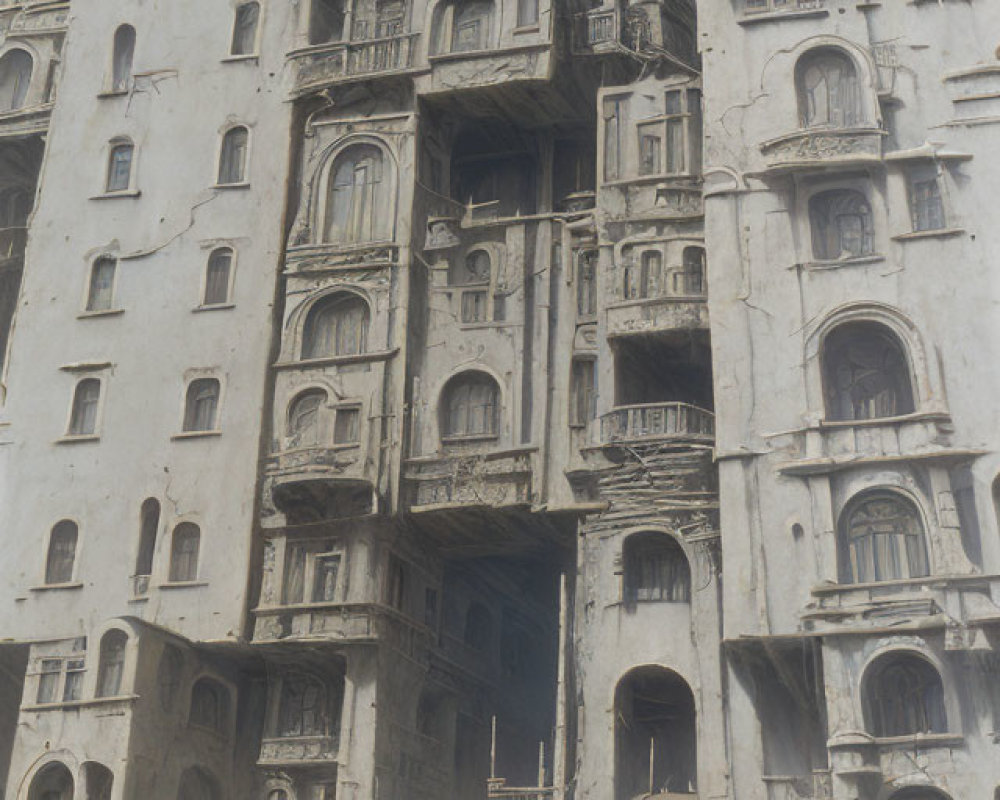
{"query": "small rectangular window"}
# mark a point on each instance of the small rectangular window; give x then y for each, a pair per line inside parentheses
(48, 680)
(100, 294)
(295, 574)
(926, 202)
(614, 124)
(527, 12)
(346, 426)
(396, 583)
(245, 29)
(650, 147)
(120, 167)
(325, 572)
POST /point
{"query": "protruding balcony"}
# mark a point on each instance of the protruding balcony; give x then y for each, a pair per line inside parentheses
(647, 421)
(496, 479)
(322, 65)
(806, 150)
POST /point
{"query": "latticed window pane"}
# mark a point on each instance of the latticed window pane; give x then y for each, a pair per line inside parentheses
(475, 306)
(829, 92)
(100, 295)
(217, 276)
(357, 204)
(184, 552)
(471, 406)
(866, 373)
(73, 687)
(336, 326)
(301, 711)
(120, 167)
(83, 421)
(906, 697)
(884, 539)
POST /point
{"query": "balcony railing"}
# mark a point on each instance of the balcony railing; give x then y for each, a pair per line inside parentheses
(346, 60)
(776, 6)
(656, 420)
(297, 749)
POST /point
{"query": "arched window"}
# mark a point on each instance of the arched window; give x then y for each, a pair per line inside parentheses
(184, 549)
(655, 736)
(463, 26)
(149, 523)
(52, 782)
(304, 428)
(842, 227)
(15, 77)
(474, 269)
(926, 793)
(202, 405)
(828, 89)
(337, 325)
(655, 569)
(197, 784)
(277, 794)
(217, 274)
(99, 781)
(86, 398)
(904, 696)
(478, 631)
(100, 292)
(358, 206)
(120, 166)
(209, 705)
(112, 663)
(121, 62)
(471, 405)
(882, 539)
(233, 157)
(245, 29)
(62, 552)
(303, 707)
(866, 373)
(326, 21)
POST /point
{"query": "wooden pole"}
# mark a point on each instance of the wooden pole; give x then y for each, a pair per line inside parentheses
(493, 748)
(652, 757)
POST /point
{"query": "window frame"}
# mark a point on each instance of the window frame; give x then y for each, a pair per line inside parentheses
(310, 553)
(380, 190)
(255, 43)
(923, 174)
(104, 664)
(328, 304)
(26, 100)
(73, 430)
(115, 145)
(832, 225)
(687, 120)
(89, 306)
(293, 432)
(223, 705)
(118, 85)
(808, 121)
(468, 380)
(188, 412)
(174, 574)
(874, 702)
(221, 163)
(849, 556)
(576, 401)
(664, 558)
(228, 302)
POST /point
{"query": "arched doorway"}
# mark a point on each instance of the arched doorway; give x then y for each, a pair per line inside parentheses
(52, 782)
(655, 735)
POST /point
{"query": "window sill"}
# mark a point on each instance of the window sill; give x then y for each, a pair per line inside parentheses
(117, 195)
(901, 419)
(171, 585)
(144, 598)
(532, 27)
(231, 186)
(57, 587)
(328, 361)
(78, 438)
(112, 93)
(196, 434)
(921, 739)
(778, 16)
(836, 263)
(108, 312)
(936, 233)
(471, 437)
(241, 59)
(69, 704)
(213, 307)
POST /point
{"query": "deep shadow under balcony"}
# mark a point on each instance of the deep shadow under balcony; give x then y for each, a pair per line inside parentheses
(657, 421)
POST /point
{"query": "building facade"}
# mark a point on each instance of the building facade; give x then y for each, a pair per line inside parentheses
(407, 399)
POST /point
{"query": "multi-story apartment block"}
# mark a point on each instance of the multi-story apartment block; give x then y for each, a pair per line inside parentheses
(516, 399)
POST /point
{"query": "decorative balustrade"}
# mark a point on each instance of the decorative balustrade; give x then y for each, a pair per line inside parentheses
(295, 749)
(348, 60)
(656, 420)
(777, 6)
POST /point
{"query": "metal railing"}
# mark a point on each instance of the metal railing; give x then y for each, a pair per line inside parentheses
(652, 420)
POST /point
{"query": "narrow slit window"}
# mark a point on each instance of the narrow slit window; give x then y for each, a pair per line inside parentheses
(583, 394)
(586, 284)
(15, 78)
(112, 663)
(149, 523)
(48, 681)
(325, 572)
(346, 429)
(304, 419)
(471, 405)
